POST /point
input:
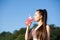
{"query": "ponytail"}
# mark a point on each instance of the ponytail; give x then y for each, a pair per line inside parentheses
(44, 18)
(44, 24)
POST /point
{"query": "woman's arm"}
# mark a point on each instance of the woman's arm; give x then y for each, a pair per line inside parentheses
(28, 24)
(48, 32)
(27, 33)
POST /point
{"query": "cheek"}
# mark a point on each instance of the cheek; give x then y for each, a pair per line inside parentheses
(36, 18)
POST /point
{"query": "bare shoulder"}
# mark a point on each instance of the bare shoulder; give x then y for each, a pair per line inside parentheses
(48, 31)
(48, 27)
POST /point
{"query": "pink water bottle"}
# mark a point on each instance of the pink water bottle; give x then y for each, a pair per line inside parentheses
(29, 21)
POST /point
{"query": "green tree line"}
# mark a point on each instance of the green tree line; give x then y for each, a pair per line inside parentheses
(19, 34)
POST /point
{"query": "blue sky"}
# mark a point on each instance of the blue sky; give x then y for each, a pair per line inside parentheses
(13, 13)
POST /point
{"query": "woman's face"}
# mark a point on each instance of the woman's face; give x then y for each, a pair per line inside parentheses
(37, 16)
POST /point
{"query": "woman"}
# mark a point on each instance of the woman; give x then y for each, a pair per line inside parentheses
(42, 31)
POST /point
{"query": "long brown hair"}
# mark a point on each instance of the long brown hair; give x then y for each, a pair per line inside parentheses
(42, 32)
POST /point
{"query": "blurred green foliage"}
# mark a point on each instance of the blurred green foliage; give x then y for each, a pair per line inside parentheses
(19, 34)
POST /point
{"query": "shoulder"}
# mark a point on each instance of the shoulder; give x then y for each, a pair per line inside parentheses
(47, 28)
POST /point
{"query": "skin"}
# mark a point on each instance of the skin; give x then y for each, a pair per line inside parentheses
(38, 19)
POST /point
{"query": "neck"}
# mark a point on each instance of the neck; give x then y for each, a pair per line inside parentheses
(40, 23)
